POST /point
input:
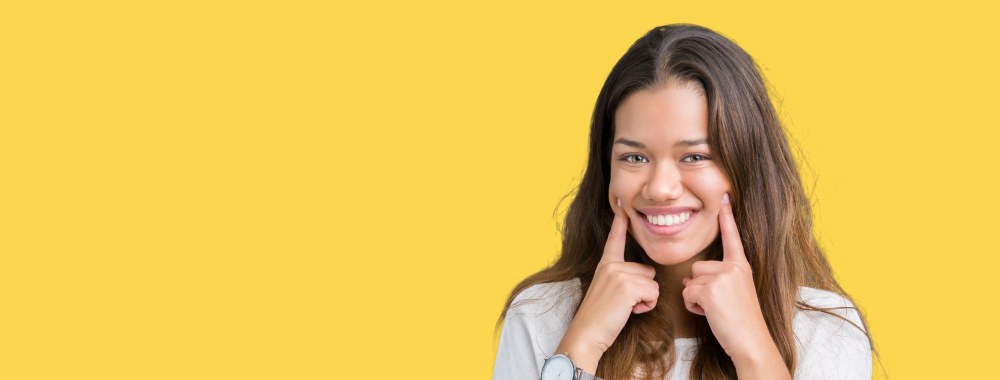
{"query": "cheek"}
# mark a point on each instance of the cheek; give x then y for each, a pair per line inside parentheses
(711, 186)
(622, 186)
(709, 189)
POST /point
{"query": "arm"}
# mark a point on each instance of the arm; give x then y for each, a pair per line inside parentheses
(618, 290)
(763, 364)
(724, 292)
(829, 347)
(517, 352)
(532, 328)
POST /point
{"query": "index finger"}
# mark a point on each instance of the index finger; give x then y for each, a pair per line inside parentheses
(614, 249)
(732, 246)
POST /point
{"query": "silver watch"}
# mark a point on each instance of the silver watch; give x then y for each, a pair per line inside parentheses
(561, 367)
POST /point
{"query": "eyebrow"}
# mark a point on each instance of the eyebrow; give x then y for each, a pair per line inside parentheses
(682, 143)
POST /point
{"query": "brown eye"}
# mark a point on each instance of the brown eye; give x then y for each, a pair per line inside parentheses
(629, 158)
(694, 158)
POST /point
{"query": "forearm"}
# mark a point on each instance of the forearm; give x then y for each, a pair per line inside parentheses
(764, 363)
(583, 353)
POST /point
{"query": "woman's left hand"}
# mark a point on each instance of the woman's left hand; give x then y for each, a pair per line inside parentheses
(724, 292)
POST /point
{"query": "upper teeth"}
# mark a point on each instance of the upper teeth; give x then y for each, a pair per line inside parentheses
(668, 220)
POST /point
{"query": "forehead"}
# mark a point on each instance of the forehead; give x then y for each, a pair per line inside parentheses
(662, 116)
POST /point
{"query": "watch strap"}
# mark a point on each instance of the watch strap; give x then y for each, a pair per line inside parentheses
(578, 373)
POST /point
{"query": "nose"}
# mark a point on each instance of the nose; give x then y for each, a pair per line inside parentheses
(664, 185)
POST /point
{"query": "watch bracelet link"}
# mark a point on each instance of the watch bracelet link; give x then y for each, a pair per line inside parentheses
(578, 373)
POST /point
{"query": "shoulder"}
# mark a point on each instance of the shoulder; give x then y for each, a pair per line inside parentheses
(533, 327)
(832, 342)
(837, 307)
(548, 300)
(544, 311)
(550, 290)
(822, 298)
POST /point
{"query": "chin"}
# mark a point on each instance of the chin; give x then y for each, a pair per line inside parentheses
(670, 257)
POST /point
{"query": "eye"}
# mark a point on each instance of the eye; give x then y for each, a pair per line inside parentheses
(694, 158)
(629, 159)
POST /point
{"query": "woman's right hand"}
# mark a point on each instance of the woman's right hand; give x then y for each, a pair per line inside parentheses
(619, 289)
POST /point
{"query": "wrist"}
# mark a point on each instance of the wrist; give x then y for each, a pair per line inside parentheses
(757, 357)
(755, 346)
(765, 362)
(583, 354)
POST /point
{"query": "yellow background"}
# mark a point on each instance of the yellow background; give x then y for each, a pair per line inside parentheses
(295, 190)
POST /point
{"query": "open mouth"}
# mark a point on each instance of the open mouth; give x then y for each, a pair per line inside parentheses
(668, 225)
(668, 220)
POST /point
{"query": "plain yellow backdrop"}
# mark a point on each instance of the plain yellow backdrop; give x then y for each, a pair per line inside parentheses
(317, 190)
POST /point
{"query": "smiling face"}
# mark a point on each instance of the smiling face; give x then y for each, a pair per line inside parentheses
(662, 169)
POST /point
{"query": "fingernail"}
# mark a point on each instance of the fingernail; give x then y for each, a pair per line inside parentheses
(725, 198)
(619, 202)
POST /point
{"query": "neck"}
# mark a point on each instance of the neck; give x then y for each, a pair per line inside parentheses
(671, 279)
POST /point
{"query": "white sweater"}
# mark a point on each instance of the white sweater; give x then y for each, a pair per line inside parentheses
(827, 346)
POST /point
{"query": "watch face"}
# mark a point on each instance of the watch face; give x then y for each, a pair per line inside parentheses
(558, 367)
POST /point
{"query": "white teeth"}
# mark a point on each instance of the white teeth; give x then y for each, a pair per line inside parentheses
(668, 220)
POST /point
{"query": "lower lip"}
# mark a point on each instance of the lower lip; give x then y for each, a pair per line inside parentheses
(668, 230)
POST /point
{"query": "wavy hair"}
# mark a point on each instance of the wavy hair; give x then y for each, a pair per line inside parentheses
(771, 209)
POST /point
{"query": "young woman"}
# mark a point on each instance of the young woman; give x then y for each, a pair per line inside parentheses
(688, 250)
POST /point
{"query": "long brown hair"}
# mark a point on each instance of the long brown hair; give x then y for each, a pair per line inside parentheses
(770, 206)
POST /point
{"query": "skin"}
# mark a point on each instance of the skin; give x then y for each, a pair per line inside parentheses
(665, 174)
